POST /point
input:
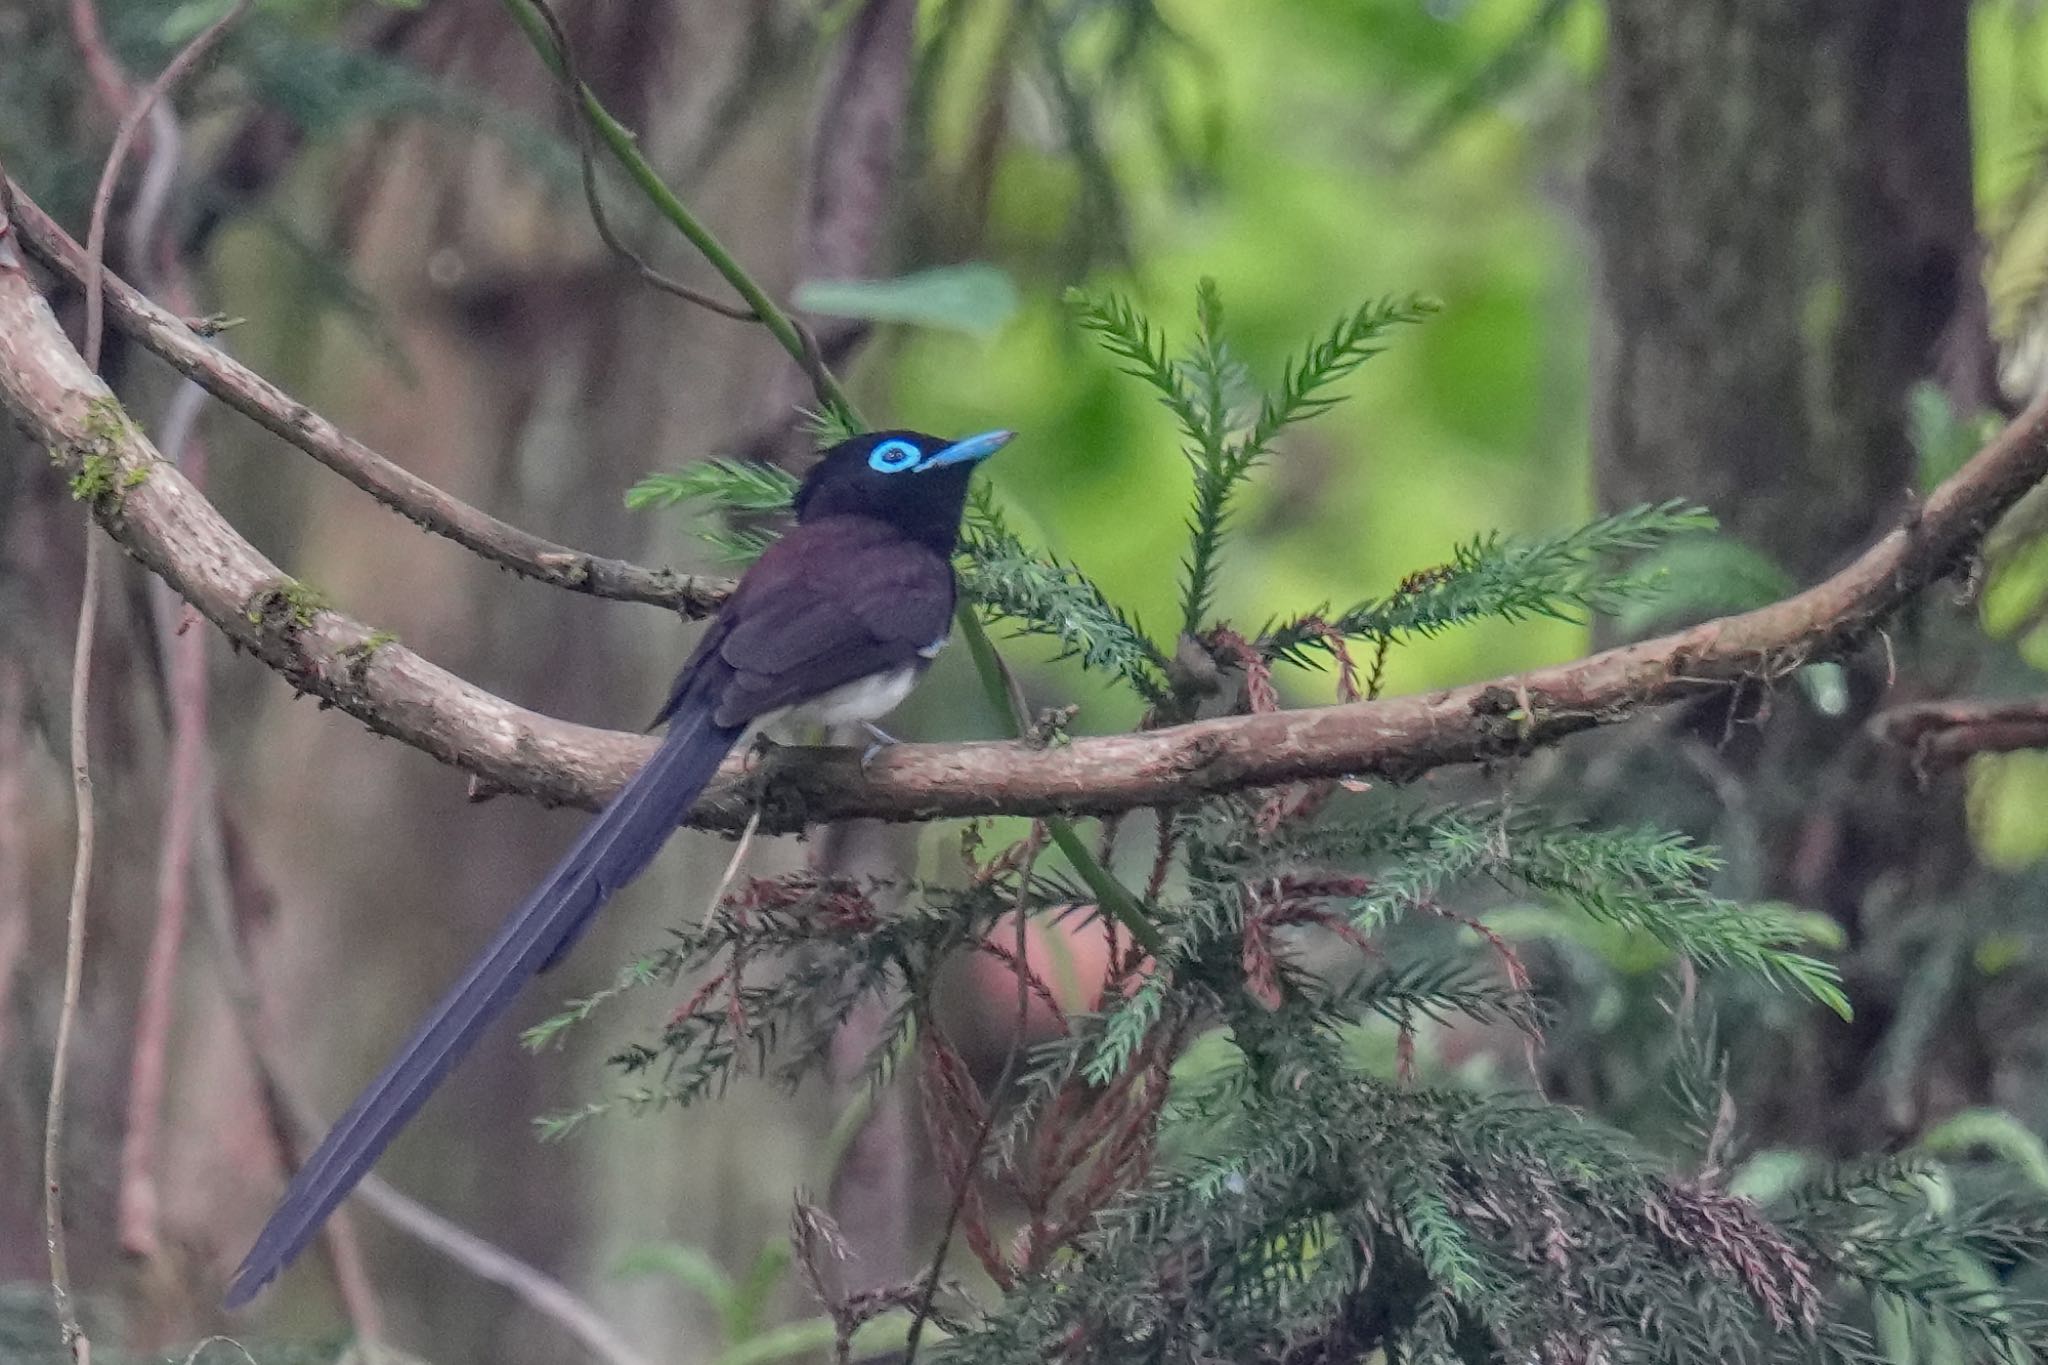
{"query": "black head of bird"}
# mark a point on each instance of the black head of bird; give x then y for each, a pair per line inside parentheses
(914, 482)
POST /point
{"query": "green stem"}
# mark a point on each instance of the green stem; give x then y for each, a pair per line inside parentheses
(626, 147)
(1110, 894)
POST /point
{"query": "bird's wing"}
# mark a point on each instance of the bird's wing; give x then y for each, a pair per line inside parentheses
(837, 605)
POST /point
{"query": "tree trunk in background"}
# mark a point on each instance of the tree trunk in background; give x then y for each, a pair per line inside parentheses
(1784, 234)
(1784, 245)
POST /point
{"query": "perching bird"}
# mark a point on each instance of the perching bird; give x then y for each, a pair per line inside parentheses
(833, 624)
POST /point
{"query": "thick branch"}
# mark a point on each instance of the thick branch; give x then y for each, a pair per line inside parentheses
(151, 510)
(392, 484)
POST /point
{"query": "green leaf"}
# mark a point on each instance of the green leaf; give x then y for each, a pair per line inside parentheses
(180, 24)
(1223, 437)
(746, 487)
(1219, 465)
(1129, 335)
(1651, 882)
(976, 299)
(328, 87)
(1943, 441)
(1826, 685)
(1770, 1175)
(1124, 1029)
(754, 1293)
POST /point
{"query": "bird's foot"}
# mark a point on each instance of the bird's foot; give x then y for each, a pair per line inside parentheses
(883, 739)
(763, 758)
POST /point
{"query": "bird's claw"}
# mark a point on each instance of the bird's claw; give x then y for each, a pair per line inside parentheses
(883, 739)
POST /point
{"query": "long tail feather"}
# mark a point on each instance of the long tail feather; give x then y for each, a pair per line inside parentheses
(615, 848)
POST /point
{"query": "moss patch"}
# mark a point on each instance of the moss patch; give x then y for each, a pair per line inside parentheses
(98, 472)
(356, 657)
(98, 476)
(290, 604)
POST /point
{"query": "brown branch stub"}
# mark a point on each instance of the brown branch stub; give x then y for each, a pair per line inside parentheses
(173, 340)
(1946, 732)
(161, 520)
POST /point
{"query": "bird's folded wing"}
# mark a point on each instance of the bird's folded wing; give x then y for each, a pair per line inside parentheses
(829, 620)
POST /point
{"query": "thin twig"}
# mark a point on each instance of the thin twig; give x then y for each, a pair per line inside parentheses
(732, 866)
(137, 1204)
(1004, 693)
(736, 1008)
(110, 82)
(14, 889)
(971, 1167)
(576, 91)
(619, 140)
(185, 668)
(183, 652)
(75, 1339)
(173, 340)
(284, 1111)
(117, 157)
(74, 1335)
(1945, 732)
(487, 1261)
(1053, 1008)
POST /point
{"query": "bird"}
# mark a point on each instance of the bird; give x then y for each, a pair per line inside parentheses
(833, 624)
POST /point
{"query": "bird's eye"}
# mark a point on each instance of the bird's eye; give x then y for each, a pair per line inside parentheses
(893, 457)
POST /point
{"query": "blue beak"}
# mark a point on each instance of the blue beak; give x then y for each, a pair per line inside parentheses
(970, 450)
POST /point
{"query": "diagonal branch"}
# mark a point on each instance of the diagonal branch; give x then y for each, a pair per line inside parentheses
(392, 484)
(161, 520)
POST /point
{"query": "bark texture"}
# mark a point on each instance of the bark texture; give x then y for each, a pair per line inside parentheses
(1785, 244)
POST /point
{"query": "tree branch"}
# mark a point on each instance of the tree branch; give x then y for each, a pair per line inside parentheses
(398, 488)
(1944, 732)
(160, 519)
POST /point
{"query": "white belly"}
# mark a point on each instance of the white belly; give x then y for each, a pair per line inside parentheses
(870, 698)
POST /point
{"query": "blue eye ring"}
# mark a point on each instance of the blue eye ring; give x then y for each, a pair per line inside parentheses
(893, 457)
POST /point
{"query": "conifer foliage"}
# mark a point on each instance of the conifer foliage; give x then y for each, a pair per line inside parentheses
(1244, 1151)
